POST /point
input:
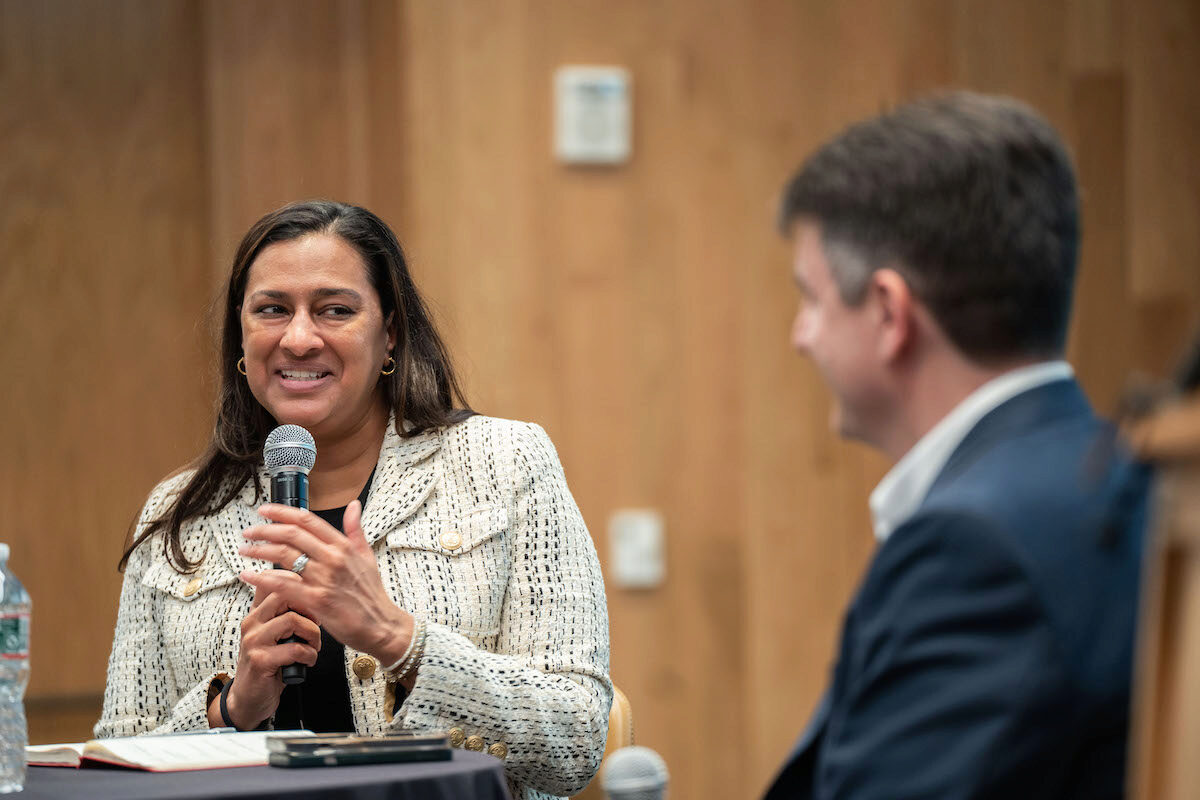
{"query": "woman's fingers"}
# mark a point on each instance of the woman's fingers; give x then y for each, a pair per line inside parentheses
(264, 650)
(299, 539)
(259, 596)
(296, 653)
(290, 624)
(352, 525)
(267, 660)
(301, 518)
(268, 624)
(341, 585)
(265, 605)
(285, 622)
(286, 587)
(281, 554)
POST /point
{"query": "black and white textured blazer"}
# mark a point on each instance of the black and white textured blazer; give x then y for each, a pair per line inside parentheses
(516, 652)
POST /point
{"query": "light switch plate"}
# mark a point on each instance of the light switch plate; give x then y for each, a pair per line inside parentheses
(592, 116)
(637, 548)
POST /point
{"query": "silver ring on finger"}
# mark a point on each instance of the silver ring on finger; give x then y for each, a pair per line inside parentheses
(300, 563)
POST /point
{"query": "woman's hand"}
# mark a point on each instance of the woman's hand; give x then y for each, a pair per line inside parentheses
(254, 695)
(340, 587)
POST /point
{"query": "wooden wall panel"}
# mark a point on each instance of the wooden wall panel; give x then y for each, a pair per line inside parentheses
(626, 274)
(640, 313)
(103, 248)
(1164, 203)
(287, 109)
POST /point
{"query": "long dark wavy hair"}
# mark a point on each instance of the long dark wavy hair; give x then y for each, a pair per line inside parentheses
(422, 390)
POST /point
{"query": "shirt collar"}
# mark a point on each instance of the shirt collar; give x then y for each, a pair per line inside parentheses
(903, 489)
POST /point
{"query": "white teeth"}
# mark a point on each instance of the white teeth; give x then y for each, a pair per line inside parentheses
(299, 375)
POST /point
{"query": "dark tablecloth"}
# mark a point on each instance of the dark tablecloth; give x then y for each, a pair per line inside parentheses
(466, 775)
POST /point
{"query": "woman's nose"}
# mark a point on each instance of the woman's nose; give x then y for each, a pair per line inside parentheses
(301, 336)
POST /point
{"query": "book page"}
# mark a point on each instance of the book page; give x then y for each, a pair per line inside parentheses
(54, 755)
(184, 751)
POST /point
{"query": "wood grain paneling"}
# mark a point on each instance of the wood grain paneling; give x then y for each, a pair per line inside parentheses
(640, 312)
(103, 248)
(1164, 201)
(623, 280)
(287, 109)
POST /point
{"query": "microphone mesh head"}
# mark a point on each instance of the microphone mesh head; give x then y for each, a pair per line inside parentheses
(634, 773)
(289, 448)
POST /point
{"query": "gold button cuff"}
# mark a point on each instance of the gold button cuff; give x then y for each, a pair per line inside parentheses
(475, 743)
(457, 737)
(451, 540)
(364, 667)
(499, 750)
(192, 587)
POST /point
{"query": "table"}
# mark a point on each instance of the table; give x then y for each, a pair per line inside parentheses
(466, 775)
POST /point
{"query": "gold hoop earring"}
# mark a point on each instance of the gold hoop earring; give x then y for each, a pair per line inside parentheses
(389, 371)
(241, 365)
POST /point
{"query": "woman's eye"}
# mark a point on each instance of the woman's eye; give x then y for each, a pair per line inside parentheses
(337, 312)
(270, 309)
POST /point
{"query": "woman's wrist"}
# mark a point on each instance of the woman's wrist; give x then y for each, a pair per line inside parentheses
(396, 640)
(231, 716)
(405, 668)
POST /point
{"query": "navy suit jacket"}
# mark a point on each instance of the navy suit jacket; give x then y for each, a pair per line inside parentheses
(988, 652)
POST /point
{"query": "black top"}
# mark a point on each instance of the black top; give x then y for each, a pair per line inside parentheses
(322, 702)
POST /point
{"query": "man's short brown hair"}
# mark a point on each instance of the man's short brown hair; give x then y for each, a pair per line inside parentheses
(972, 199)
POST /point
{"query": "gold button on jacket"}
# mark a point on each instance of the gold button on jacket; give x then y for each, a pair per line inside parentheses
(499, 750)
(364, 667)
(192, 587)
(475, 743)
(456, 737)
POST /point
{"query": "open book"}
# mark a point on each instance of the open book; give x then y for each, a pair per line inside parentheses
(168, 753)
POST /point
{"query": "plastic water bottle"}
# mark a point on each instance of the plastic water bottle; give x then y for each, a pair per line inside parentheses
(14, 675)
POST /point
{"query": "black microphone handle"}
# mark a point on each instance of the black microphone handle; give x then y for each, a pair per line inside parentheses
(291, 489)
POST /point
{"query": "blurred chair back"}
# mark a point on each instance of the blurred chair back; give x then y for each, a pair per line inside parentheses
(1165, 739)
(620, 734)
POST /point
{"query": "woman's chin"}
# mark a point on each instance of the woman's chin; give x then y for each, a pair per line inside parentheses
(310, 419)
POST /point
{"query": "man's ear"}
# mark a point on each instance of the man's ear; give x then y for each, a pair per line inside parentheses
(895, 305)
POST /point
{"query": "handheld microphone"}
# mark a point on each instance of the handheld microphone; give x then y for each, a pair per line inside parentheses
(634, 773)
(289, 454)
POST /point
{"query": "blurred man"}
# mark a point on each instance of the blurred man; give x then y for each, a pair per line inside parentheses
(988, 651)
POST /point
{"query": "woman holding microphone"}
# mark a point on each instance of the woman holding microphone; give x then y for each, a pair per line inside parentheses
(444, 580)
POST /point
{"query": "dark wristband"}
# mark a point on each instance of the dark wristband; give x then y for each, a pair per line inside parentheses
(225, 720)
(224, 706)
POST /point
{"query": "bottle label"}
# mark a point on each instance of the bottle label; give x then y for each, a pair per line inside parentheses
(14, 635)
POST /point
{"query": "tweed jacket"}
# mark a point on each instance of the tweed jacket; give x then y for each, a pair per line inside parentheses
(516, 651)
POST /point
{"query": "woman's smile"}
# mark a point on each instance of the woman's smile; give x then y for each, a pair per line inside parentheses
(303, 380)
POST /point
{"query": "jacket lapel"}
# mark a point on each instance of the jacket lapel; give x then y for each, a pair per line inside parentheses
(405, 476)
(226, 526)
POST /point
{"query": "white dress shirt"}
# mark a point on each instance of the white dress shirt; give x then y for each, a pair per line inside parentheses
(903, 489)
